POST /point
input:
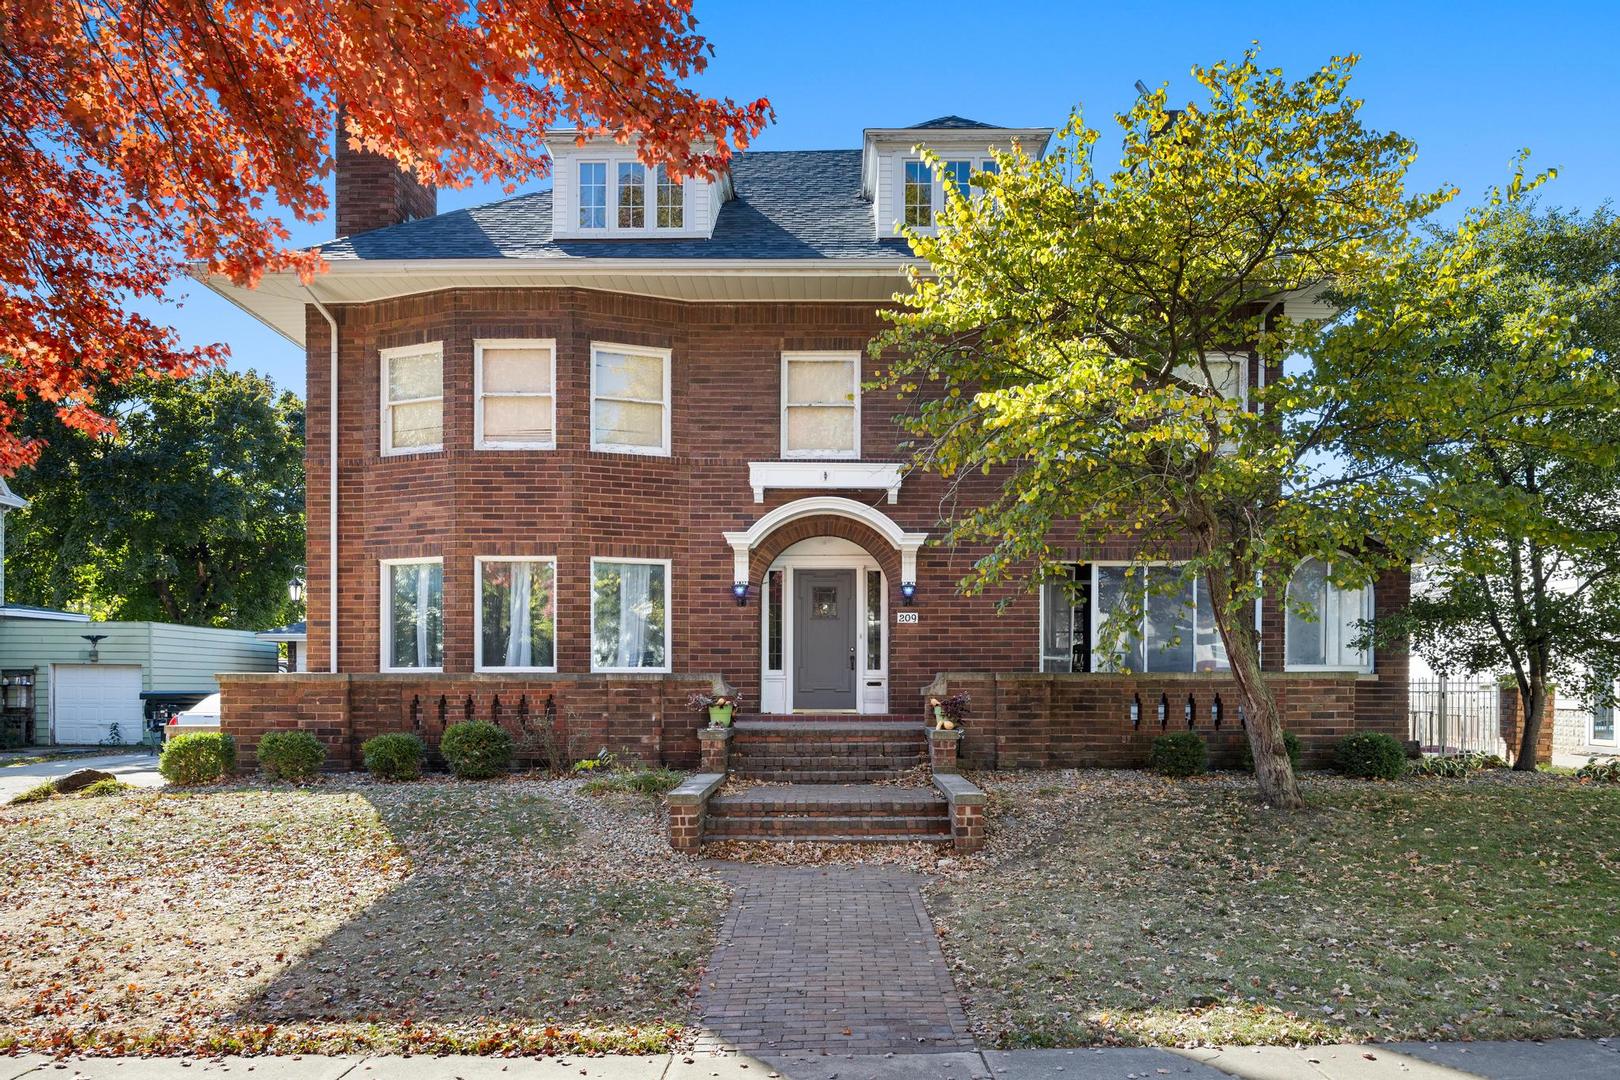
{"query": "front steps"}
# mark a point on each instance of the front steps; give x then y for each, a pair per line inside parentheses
(826, 749)
(830, 813)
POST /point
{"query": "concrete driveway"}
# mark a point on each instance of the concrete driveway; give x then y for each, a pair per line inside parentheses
(139, 769)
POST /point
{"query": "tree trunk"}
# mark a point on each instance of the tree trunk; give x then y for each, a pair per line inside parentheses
(1273, 772)
(1534, 704)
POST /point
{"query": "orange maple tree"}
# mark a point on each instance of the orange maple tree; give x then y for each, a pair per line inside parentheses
(138, 134)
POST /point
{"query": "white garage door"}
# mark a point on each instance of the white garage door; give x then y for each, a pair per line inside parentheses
(88, 699)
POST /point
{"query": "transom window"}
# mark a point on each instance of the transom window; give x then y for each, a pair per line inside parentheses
(413, 399)
(517, 405)
(413, 614)
(593, 194)
(1324, 621)
(821, 405)
(632, 195)
(1169, 626)
(630, 614)
(517, 614)
(629, 399)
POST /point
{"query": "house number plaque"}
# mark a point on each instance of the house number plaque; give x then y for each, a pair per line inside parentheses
(903, 617)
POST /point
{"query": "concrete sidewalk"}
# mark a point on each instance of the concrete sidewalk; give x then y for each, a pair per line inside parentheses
(1566, 1058)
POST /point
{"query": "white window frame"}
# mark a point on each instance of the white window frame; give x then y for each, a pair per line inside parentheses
(655, 177)
(977, 163)
(609, 195)
(619, 188)
(827, 356)
(669, 617)
(667, 355)
(1614, 727)
(385, 358)
(1369, 613)
(479, 345)
(385, 625)
(478, 613)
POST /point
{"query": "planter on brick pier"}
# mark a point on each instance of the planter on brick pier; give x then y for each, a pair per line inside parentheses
(714, 745)
(942, 746)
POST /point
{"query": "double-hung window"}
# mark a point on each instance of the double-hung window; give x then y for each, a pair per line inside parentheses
(413, 614)
(632, 195)
(671, 200)
(630, 614)
(517, 614)
(413, 399)
(629, 399)
(593, 194)
(821, 405)
(515, 389)
(1323, 622)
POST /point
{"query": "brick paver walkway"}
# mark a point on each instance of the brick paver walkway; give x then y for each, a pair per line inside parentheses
(829, 958)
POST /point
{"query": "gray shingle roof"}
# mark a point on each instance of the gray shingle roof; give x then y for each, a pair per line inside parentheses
(950, 123)
(793, 204)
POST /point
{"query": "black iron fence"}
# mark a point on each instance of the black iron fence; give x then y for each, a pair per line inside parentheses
(1454, 717)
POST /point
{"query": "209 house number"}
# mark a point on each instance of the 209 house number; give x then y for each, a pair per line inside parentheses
(905, 616)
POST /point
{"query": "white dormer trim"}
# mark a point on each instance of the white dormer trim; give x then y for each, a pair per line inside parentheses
(703, 198)
(885, 150)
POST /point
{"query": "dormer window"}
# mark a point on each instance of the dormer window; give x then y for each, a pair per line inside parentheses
(922, 200)
(632, 195)
(671, 201)
(919, 195)
(593, 194)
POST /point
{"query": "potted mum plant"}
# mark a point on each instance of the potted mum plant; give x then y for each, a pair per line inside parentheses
(720, 705)
(949, 711)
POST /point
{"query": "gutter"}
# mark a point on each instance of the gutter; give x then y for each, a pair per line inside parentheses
(332, 484)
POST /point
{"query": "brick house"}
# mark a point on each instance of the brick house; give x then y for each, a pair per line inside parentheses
(573, 454)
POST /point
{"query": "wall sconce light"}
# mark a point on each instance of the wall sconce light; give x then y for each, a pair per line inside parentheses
(739, 589)
(94, 640)
(908, 591)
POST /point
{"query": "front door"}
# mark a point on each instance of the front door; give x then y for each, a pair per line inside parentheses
(824, 639)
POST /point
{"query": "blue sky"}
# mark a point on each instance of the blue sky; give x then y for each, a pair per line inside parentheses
(1470, 83)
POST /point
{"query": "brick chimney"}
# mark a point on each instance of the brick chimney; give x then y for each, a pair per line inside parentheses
(372, 192)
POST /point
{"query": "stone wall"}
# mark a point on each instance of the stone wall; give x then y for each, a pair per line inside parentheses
(1019, 721)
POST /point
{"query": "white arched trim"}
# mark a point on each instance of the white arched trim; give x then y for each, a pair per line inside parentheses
(906, 543)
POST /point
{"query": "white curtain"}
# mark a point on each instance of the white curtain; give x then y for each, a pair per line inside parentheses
(424, 571)
(635, 595)
(520, 635)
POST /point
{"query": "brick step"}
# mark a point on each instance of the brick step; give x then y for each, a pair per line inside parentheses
(856, 838)
(853, 727)
(812, 828)
(817, 776)
(828, 718)
(828, 800)
(822, 758)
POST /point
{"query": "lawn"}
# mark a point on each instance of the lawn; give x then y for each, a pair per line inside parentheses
(349, 915)
(1125, 908)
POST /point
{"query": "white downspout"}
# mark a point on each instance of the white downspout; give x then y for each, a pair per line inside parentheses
(332, 487)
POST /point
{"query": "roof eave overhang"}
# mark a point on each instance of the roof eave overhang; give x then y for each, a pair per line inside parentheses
(279, 300)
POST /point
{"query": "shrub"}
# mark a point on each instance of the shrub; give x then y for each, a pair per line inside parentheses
(1599, 772)
(476, 749)
(634, 782)
(290, 755)
(1181, 754)
(37, 793)
(1456, 766)
(197, 757)
(1290, 743)
(1371, 755)
(105, 787)
(395, 756)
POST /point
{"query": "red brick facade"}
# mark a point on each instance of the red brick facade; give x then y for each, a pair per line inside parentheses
(572, 503)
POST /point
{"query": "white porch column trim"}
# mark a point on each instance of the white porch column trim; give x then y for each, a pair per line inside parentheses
(906, 543)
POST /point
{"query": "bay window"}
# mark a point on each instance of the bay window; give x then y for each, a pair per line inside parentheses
(413, 614)
(630, 399)
(821, 405)
(517, 614)
(516, 404)
(1323, 621)
(630, 614)
(413, 399)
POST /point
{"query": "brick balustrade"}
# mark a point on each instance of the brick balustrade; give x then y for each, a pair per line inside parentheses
(1023, 721)
(687, 805)
(637, 717)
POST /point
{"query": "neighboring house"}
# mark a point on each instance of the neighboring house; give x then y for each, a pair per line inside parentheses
(57, 685)
(597, 444)
(290, 641)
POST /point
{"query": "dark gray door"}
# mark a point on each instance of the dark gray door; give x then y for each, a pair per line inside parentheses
(824, 639)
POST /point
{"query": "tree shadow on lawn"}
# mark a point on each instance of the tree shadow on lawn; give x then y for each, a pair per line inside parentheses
(515, 911)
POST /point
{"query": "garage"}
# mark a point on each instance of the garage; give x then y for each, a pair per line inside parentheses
(88, 699)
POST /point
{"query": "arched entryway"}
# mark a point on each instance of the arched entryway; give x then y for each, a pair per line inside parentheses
(825, 570)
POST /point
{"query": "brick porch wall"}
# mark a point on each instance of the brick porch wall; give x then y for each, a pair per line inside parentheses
(637, 717)
(1079, 721)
